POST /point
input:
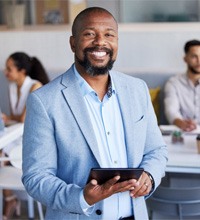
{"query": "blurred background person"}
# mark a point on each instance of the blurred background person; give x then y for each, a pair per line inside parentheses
(25, 74)
(182, 92)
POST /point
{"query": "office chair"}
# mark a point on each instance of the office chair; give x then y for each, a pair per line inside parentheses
(10, 178)
(178, 202)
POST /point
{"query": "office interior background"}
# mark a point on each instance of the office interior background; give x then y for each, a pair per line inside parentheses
(152, 34)
(146, 27)
(125, 11)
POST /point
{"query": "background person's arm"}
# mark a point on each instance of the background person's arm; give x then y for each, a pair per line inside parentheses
(171, 102)
(185, 125)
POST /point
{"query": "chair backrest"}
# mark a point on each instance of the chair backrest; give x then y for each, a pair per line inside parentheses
(175, 201)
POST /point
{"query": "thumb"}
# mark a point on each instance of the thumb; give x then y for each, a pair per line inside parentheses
(93, 182)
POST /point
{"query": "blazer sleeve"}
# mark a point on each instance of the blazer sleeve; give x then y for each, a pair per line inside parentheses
(40, 161)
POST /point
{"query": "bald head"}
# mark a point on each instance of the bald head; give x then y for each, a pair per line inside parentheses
(85, 14)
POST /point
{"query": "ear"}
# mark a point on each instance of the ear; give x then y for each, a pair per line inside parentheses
(23, 71)
(72, 43)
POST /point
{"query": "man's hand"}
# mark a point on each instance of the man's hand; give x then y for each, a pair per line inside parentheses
(143, 188)
(185, 125)
(94, 193)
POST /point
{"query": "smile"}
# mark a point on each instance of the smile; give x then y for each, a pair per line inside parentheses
(99, 54)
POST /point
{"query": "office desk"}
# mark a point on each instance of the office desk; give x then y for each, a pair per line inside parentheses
(183, 157)
(10, 134)
(183, 168)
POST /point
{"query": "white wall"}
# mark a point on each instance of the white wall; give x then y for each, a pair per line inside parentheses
(154, 47)
(142, 47)
(50, 46)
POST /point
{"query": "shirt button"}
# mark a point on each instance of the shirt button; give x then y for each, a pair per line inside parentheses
(108, 133)
(115, 161)
(98, 212)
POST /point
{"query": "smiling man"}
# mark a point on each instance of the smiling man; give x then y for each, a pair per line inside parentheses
(92, 117)
(182, 92)
(95, 47)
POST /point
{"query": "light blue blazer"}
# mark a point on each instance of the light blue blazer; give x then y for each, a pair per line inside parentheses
(59, 145)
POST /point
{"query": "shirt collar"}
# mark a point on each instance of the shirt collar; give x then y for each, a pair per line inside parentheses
(190, 81)
(86, 88)
(197, 83)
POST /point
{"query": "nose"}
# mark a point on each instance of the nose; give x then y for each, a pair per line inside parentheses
(99, 40)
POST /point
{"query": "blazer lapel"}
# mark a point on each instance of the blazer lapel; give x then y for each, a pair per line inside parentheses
(78, 108)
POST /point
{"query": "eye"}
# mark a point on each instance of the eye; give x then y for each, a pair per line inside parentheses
(193, 56)
(109, 34)
(88, 34)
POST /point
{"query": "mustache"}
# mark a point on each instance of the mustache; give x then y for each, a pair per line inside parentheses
(104, 49)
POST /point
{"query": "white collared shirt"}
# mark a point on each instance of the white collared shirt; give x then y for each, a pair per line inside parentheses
(18, 105)
(182, 99)
(108, 127)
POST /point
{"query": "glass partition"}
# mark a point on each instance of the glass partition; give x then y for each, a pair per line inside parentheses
(160, 11)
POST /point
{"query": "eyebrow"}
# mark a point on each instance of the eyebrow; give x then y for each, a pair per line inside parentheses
(93, 28)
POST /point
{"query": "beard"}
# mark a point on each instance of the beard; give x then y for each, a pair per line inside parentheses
(193, 70)
(95, 70)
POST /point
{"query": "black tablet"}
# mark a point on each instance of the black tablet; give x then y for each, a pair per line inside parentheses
(104, 174)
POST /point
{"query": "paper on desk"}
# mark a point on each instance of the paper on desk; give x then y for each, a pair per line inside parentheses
(196, 131)
(168, 129)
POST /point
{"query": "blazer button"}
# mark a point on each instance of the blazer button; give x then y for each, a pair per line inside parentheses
(98, 212)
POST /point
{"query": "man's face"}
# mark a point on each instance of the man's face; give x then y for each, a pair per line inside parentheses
(95, 44)
(192, 58)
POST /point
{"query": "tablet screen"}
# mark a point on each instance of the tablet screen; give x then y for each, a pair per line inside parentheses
(104, 174)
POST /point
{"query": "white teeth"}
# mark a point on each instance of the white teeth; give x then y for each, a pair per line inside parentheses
(99, 54)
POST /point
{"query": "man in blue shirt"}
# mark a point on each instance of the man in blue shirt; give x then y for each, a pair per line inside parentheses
(91, 117)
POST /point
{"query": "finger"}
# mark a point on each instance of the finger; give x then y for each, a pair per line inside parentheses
(126, 185)
(108, 184)
(142, 191)
(93, 182)
(143, 187)
(91, 185)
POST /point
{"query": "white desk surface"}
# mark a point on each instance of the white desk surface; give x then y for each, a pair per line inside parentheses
(10, 134)
(183, 158)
